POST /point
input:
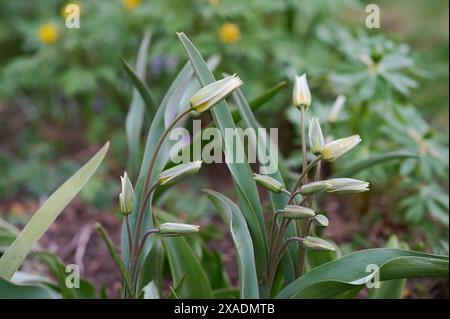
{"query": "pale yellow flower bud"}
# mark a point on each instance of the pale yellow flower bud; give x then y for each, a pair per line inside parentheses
(179, 172)
(177, 229)
(268, 182)
(210, 95)
(297, 212)
(316, 140)
(126, 197)
(301, 96)
(337, 148)
(347, 185)
(316, 243)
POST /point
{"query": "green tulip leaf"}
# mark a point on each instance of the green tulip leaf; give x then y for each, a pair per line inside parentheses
(14, 256)
(348, 273)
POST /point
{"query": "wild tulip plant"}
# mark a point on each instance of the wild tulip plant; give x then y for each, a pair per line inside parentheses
(279, 253)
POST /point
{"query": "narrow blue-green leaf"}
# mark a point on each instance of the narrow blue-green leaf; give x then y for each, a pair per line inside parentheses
(266, 96)
(373, 160)
(183, 262)
(346, 273)
(240, 234)
(9, 290)
(141, 96)
(46, 215)
(242, 175)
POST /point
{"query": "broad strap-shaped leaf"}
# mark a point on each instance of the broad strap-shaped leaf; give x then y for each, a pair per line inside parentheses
(373, 160)
(240, 234)
(391, 289)
(46, 215)
(184, 263)
(241, 172)
(9, 290)
(346, 273)
(142, 99)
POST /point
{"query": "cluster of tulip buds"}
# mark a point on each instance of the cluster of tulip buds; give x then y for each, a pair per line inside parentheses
(327, 151)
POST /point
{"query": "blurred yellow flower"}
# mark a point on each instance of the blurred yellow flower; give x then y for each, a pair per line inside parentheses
(131, 4)
(48, 33)
(65, 13)
(229, 33)
(213, 3)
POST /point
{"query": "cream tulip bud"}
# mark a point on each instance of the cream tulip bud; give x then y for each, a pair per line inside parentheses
(296, 212)
(301, 96)
(213, 93)
(177, 173)
(321, 220)
(347, 185)
(177, 229)
(316, 243)
(126, 197)
(316, 140)
(268, 182)
(337, 148)
(314, 187)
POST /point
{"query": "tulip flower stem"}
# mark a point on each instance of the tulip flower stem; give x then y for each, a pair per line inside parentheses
(304, 155)
(286, 243)
(294, 191)
(274, 251)
(158, 147)
(130, 241)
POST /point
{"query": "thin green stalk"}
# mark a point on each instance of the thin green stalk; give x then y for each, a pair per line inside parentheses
(145, 195)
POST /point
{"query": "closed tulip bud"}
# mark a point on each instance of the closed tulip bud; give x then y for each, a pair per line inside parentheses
(314, 187)
(268, 182)
(126, 197)
(316, 243)
(316, 140)
(337, 148)
(177, 173)
(321, 220)
(177, 229)
(210, 95)
(347, 185)
(297, 212)
(301, 96)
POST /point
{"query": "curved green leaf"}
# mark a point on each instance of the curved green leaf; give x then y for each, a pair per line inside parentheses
(141, 96)
(346, 273)
(9, 290)
(240, 234)
(184, 263)
(373, 160)
(242, 175)
(46, 215)
(266, 96)
(391, 289)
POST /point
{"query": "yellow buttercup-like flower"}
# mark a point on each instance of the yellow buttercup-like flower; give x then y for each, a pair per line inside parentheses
(229, 33)
(131, 4)
(48, 33)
